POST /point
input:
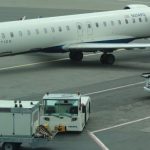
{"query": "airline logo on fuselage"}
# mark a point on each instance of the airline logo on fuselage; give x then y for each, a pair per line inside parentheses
(138, 15)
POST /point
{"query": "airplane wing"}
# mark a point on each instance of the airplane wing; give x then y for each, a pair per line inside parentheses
(77, 49)
(89, 47)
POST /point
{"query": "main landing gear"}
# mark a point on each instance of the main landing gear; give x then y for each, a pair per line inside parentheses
(108, 59)
(105, 58)
(76, 56)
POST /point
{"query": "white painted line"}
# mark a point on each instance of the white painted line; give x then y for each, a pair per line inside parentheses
(115, 88)
(32, 64)
(121, 125)
(43, 62)
(91, 134)
(98, 141)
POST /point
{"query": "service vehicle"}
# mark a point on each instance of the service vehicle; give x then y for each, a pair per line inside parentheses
(66, 112)
(147, 81)
(20, 123)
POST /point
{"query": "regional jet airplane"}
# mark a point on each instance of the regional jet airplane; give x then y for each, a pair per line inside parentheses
(91, 32)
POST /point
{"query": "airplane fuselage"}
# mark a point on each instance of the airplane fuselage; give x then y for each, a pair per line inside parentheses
(53, 33)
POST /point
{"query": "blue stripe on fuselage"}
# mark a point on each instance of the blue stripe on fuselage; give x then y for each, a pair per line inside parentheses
(58, 49)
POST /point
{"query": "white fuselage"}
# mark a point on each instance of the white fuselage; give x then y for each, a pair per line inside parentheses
(55, 32)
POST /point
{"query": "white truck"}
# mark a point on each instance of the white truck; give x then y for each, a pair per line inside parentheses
(66, 112)
(20, 123)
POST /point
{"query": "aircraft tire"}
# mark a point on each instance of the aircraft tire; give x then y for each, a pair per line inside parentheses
(103, 58)
(108, 59)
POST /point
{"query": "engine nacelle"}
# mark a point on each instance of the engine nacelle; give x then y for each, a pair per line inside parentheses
(135, 6)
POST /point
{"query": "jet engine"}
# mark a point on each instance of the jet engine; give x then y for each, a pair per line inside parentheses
(135, 6)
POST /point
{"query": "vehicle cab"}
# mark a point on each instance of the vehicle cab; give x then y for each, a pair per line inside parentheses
(66, 112)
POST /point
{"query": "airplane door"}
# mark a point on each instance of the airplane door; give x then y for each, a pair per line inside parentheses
(89, 28)
(79, 30)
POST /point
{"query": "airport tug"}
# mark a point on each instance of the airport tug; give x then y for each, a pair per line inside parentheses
(66, 112)
(147, 81)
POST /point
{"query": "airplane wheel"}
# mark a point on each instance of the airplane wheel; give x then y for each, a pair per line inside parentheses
(107, 59)
(110, 59)
(103, 58)
(76, 56)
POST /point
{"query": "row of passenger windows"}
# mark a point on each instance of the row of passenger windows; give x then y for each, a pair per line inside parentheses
(119, 22)
(60, 29)
(37, 31)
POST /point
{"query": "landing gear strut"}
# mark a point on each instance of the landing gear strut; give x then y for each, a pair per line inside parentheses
(76, 56)
(107, 59)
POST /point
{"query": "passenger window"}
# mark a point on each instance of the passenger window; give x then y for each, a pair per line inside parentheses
(20, 33)
(45, 30)
(105, 24)
(59, 29)
(133, 20)
(3, 35)
(119, 22)
(112, 23)
(68, 28)
(126, 21)
(28, 32)
(79, 27)
(146, 19)
(140, 19)
(97, 25)
(11, 34)
(53, 30)
(89, 25)
(37, 31)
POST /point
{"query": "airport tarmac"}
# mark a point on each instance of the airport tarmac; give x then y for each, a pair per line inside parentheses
(120, 116)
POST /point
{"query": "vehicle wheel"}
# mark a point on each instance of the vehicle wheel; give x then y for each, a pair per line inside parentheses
(76, 56)
(8, 146)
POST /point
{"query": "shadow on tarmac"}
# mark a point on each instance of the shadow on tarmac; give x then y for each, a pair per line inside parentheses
(128, 63)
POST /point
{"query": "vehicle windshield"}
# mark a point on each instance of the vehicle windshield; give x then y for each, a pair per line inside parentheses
(61, 107)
